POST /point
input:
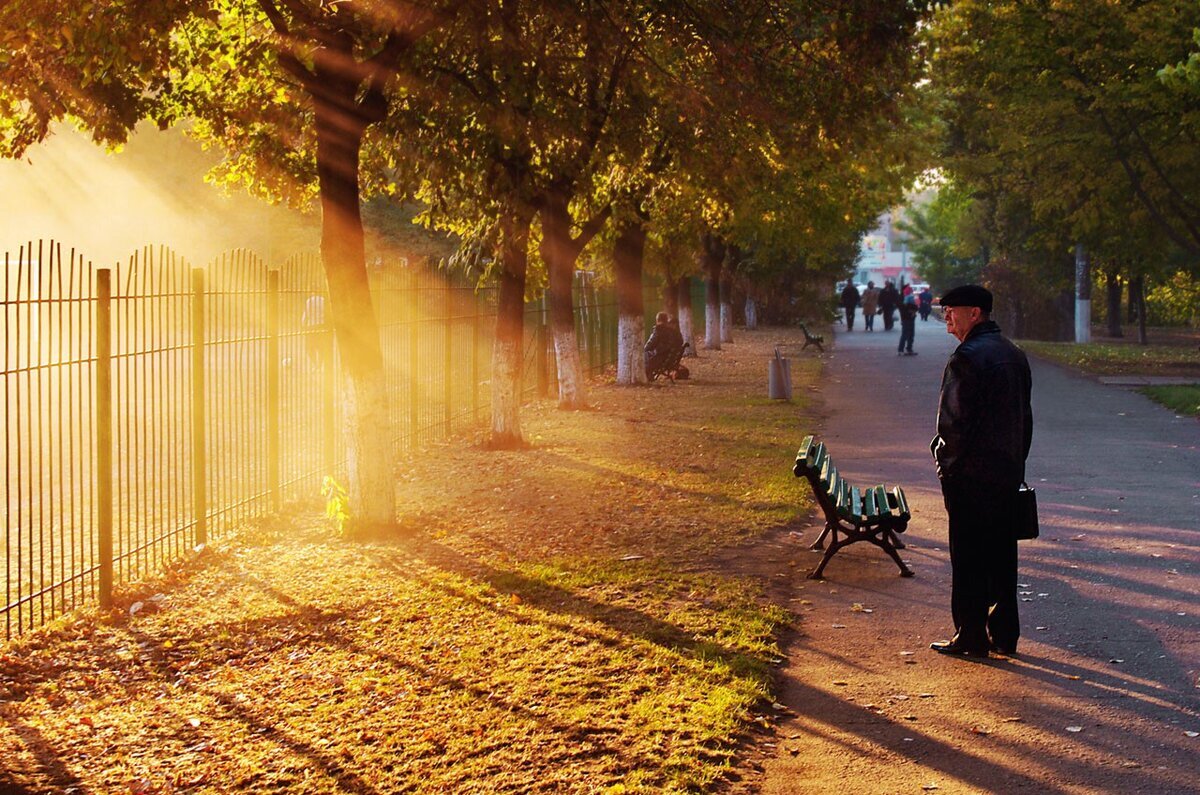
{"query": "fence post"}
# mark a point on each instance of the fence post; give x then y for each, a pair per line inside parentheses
(475, 361)
(448, 363)
(414, 336)
(104, 435)
(328, 391)
(273, 393)
(541, 344)
(199, 441)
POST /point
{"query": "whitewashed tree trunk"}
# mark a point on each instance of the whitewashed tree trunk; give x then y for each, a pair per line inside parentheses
(572, 393)
(368, 443)
(506, 390)
(631, 359)
(726, 321)
(751, 314)
(687, 332)
(712, 327)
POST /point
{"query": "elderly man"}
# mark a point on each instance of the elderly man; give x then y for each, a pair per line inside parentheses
(984, 428)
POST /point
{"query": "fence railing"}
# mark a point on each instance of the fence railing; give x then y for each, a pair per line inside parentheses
(152, 406)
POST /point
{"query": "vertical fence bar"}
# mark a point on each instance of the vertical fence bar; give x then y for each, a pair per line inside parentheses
(199, 441)
(104, 435)
(328, 390)
(540, 346)
(475, 361)
(414, 332)
(274, 481)
(448, 358)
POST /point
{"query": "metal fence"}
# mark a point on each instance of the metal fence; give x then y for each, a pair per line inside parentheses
(153, 405)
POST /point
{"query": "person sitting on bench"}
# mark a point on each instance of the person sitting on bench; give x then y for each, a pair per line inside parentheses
(664, 349)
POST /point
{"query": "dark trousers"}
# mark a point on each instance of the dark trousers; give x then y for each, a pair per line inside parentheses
(983, 561)
(888, 318)
(908, 330)
(849, 318)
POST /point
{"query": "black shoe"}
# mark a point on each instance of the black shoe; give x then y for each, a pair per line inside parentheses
(1007, 651)
(959, 648)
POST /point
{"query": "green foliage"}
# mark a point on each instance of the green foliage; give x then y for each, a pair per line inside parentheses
(1183, 398)
(337, 505)
(938, 238)
(1174, 302)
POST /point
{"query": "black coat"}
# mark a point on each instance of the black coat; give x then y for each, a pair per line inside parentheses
(850, 296)
(889, 298)
(985, 420)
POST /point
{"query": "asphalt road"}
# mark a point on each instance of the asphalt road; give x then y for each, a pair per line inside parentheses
(1105, 688)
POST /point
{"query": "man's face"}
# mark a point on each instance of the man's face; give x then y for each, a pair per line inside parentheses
(961, 319)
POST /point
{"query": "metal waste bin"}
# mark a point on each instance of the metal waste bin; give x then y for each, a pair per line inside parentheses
(779, 378)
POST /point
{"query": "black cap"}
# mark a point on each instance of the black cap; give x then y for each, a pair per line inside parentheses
(969, 295)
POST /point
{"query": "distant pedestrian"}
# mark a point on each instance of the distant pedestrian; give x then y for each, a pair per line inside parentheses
(925, 302)
(849, 303)
(870, 305)
(984, 429)
(889, 299)
(908, 323)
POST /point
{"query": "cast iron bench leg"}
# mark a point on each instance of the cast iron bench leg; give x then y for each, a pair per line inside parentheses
(905, 571)
(820, 542)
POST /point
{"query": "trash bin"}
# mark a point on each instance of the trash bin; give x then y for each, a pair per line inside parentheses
(779, 378)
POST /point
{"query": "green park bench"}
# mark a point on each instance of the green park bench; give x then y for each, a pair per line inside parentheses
(812, 339)
(874, 514)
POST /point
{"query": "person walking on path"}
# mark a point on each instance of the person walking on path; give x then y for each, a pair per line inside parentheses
(908, 323)
(888, 300)
(925, 302)
(849, 302)
(984, 430)
(870, 305)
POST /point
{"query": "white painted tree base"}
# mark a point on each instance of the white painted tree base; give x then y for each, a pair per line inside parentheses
(572, 393)
(371, 487)
(712, 328)
(726, 322)
(751, 314)
(506, 392)
(631, 360)
(688, 333)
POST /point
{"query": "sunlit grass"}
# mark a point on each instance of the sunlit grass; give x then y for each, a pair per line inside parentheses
(1182, 398)
(1108, 359)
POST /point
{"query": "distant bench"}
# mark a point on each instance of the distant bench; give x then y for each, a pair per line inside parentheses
(812, 339)
(874, 514)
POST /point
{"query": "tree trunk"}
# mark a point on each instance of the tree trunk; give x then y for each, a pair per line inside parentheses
(683, 289)
(726, 286)
(1137, 291)
(713, 253)
(508, 348)
(1112, 311)
(670, 298)
(370, 487)
(1083, 294)
(557, 250)
(751, 314)
(628, 255)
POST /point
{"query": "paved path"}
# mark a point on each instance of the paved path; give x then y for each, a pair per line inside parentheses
(1105, 688)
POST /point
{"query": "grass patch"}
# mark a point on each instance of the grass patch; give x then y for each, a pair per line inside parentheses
(1103, 358)
(1182, 399)
(558, 619)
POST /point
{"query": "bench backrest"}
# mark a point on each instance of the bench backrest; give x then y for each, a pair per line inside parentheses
(814, 462)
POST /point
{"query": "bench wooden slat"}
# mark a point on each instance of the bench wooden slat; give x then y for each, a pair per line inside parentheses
(818, 458)
(901, 502)
(806, 449)
(869, 508)
(843, 498)
(881, 500)
(856, 501)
